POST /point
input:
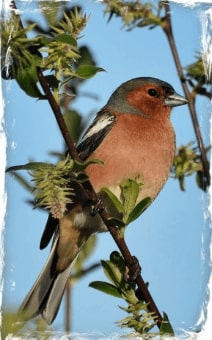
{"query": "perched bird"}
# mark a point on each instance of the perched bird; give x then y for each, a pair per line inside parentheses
(133, 136)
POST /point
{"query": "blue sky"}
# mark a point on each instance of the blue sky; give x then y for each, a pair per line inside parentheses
(172, 238)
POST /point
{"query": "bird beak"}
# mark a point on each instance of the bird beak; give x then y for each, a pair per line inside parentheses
(175, 99)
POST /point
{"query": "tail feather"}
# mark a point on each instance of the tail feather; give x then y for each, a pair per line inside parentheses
(55, 295)
(32, 304)
(46, 294)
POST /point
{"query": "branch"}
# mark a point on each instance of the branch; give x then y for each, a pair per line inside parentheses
(58, 115)
(167, 27)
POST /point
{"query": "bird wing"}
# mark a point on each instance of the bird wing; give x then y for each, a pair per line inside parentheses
(94, 135)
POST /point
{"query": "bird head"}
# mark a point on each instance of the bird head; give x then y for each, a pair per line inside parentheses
(145, 96)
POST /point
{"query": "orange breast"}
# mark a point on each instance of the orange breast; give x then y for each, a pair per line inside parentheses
(135, 146)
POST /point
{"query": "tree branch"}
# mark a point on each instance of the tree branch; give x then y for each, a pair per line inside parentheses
(167, 27)
(58, 115)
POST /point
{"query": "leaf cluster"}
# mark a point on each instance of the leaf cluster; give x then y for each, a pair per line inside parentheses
(53, 188)
(134, 13)
(55, 51)
(128, 207)
(195, 75)
(138, 319)
(187, 162)
(21, 55)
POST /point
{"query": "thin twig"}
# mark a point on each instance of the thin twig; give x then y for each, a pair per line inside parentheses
(167, 27)
(59, 118)
(129, 259)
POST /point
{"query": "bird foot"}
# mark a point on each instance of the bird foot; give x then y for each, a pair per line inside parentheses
(97, 207)
(133, 270)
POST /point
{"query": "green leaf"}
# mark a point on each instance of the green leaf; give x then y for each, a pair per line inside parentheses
(139, 209)
(116, 222)
(87, 71)
(112, 272)
(106, 287)
(117, 259)
(27, 80)
(38, 165)
(130, 189)
(166, 327)
(86, 56)
(66, 39)
(196, 69)
(26, 75)
(44, 41)
(113, 200)
(30, 166)
(182, 182)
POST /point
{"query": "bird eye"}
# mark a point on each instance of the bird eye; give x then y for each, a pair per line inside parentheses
(153, 92)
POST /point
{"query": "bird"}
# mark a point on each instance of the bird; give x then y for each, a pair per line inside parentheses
(134, 138)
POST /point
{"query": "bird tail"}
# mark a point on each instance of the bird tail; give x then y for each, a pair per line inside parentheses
(46, 294)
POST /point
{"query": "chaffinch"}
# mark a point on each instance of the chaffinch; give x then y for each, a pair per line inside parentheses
(133, 136)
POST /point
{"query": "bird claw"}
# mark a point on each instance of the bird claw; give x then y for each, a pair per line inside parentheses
(133, 270)
(97, 207)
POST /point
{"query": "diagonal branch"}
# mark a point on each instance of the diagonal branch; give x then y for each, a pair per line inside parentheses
(167, 27)
(58, 115)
